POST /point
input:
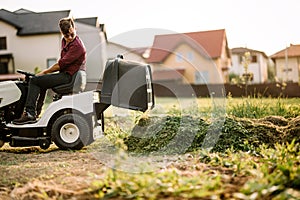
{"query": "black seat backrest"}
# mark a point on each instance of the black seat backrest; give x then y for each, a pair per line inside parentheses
(76, 85)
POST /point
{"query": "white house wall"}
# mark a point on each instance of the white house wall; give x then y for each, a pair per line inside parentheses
(263, 63)
(29, 51)
(113, 50)
(8, 32)
(236, 68)
(95, 44)
(32, 51)
(288, 72)
(259, 69)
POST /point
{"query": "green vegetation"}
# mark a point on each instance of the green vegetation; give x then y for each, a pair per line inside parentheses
(273, 173)
(256, 154)
(263, 107)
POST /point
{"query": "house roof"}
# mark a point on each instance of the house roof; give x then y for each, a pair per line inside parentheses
(93, 21)
(142, 51)
(292, 51)
(31, 23)
(242, 50)
(210, 42)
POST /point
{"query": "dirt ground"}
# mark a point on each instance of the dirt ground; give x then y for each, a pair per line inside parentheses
(28, 173)
(25, 171)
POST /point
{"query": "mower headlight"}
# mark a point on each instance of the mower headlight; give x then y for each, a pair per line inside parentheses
(96, 97)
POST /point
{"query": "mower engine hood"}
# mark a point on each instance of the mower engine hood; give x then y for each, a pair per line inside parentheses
(9, 93)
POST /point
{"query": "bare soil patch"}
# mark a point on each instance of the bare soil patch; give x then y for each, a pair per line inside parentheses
(27, 172)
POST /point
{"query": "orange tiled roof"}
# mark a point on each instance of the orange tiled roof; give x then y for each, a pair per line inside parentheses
(209, 41)
(292, 51)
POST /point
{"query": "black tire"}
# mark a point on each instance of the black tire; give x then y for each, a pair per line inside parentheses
(71, 131)
(45, 143)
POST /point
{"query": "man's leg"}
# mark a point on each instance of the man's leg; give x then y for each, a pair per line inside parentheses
(40, 102)
(33, 94)
(21, 103)
(36, 85)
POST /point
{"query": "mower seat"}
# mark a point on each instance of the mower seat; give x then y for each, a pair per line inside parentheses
(76, 85)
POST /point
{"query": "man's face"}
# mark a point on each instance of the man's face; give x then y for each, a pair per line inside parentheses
(69, 37)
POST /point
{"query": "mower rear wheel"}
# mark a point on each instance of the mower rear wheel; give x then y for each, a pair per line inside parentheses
(71, 131)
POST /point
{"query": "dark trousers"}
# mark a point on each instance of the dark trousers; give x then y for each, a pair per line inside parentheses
(38, 86)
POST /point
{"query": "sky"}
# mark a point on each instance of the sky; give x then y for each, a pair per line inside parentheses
(263, 25)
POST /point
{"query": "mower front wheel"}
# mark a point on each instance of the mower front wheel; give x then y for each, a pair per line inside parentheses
(71, 131)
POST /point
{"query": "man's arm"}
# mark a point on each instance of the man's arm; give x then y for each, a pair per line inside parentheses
(53, 68)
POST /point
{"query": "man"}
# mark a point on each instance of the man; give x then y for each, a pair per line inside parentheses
(72, 59)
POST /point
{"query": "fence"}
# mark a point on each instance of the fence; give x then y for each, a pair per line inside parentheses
(168, 89)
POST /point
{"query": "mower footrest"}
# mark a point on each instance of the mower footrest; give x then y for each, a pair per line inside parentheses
(17, 141)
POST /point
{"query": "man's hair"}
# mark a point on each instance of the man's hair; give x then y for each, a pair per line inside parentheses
(65, 24)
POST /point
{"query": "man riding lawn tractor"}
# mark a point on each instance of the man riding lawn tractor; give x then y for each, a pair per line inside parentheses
(76, 118)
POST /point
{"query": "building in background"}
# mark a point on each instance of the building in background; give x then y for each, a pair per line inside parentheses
(193, 58)
(258, 65)
(287, 64)
(114, 49)
(30, 40)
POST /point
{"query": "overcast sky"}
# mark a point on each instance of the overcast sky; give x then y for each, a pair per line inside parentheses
(264, 25)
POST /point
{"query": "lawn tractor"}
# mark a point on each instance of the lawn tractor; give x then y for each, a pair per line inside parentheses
(75, 117)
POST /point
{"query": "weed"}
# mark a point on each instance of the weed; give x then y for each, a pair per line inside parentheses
(278, 174)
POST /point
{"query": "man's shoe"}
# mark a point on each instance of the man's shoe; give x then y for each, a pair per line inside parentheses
(26, 118)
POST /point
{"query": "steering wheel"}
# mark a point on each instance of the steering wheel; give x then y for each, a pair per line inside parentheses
(27, 74)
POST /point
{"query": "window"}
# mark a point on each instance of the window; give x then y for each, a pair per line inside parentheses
(287, 70)
(4, 61)
(254, 59)
(3, 45)
(50, 62)
(3, 68)
(201, 77)
(190, 56)
(241, 58)
(179, 57)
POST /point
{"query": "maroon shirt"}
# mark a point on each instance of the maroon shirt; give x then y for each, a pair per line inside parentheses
(72, 56)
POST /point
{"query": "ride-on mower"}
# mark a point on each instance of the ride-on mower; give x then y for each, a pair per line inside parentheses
(75, 118)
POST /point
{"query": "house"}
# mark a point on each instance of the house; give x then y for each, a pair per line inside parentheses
(193, 58)
(113, 49)
(287, 63)
(258, 65)
(30, 40)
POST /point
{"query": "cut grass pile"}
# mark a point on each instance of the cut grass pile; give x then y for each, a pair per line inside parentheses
(173, 134)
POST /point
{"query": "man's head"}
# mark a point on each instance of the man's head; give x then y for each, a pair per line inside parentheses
(67, 28)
